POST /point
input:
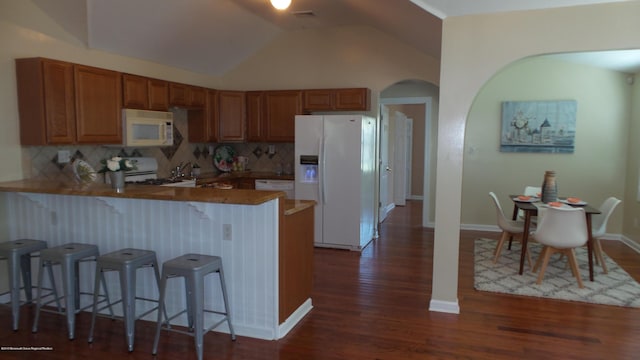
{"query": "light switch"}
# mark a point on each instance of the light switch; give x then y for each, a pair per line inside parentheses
(64, 156)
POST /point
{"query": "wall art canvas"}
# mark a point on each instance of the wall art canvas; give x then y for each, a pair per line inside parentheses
(538, 126)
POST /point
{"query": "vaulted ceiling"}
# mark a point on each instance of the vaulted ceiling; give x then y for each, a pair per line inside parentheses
(214, 36)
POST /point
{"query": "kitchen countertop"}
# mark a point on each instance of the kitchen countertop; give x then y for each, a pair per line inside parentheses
(149, 192)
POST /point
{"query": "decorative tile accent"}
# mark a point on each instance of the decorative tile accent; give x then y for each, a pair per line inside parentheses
(77, 155)
(197, 152)
(55, 162)
(169, 151)
(136, 153)
(205, 152)
(258, 152)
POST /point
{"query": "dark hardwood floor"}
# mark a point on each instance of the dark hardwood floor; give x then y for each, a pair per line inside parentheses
(375, 306)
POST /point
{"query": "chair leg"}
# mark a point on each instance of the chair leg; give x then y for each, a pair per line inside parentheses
(96, 293)
(599, 257)
(14, 285)
(161, 310)
(546, 252)
(498, 249)
(574, 266)
(128, 291)
(197, 307)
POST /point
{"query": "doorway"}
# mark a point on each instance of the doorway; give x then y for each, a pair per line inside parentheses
(407, 175)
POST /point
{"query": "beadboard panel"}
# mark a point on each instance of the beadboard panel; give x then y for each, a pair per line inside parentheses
(171, 229)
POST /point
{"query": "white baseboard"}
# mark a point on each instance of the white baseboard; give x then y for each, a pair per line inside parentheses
(294, 318)
(450, 307)
(630, 243)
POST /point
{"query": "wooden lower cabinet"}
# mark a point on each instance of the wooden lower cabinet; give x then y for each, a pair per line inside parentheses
(296, 260)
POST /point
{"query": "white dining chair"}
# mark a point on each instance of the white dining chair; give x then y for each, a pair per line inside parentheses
(599, 228)
(510, 228)
(560, 230)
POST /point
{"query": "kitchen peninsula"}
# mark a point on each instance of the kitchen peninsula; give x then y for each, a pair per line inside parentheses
(265, 241)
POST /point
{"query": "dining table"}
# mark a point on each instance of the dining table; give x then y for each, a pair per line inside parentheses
(530, 209)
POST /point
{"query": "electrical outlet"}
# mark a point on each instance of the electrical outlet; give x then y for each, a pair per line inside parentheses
(226, 231)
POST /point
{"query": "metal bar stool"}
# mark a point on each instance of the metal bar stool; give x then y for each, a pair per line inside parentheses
(193, 267)
(18, 254)
(68, 256)
(126, 262)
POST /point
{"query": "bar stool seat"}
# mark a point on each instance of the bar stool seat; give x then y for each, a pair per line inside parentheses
(193, 267)
(68, 256)
(18, 255)
(126, 262)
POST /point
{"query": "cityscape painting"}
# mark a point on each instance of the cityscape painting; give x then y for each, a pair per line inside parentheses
(538, 126)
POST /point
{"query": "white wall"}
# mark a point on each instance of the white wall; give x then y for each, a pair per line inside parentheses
(592, 172)
(474, 48)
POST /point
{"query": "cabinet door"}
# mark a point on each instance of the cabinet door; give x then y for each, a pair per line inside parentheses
(158, 95)
(134, 92)
(231, 116)
(203, 123)
(197, 96)
(281, 108)
(318, 100)
(212, 108)
(177, 94)
(45, 101)
(98, 94)
(352, 99)
(255, 108)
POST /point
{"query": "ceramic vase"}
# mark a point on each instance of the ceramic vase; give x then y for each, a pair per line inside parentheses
(549, 187)
(117, 180)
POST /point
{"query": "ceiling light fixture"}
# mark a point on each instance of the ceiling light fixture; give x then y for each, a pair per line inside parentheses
(280, 4)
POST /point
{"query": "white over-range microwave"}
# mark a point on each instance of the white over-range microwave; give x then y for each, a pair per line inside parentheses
(147, 128)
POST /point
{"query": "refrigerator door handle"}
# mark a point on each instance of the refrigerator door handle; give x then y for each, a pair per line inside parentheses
(321, 184)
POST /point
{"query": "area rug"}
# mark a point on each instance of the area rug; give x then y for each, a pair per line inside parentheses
(615, 288)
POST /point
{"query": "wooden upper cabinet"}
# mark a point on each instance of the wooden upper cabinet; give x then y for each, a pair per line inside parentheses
(203, 123)
(280, 110)
(45, 101)
(182, 95)
(196, 96)
(352, 99)
(231, 116)
(135, 92)
(318, 100)
(98, 94)
(348, 99)
(255, 116)
(139, 92)
(158, 91)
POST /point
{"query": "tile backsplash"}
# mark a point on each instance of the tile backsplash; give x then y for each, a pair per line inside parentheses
(40, 162)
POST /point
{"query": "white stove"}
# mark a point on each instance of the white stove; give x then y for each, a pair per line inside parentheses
(146, 173)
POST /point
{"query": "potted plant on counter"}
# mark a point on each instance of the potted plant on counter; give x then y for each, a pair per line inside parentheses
(115, 168)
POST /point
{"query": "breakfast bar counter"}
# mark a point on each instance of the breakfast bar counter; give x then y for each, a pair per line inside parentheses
(265, 241)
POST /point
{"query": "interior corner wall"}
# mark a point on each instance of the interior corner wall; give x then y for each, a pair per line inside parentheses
(592, 172)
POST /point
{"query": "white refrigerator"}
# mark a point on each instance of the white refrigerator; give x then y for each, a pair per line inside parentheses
(335, 166)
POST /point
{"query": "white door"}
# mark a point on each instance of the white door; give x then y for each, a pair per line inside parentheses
(400, 159)
(385, 169)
